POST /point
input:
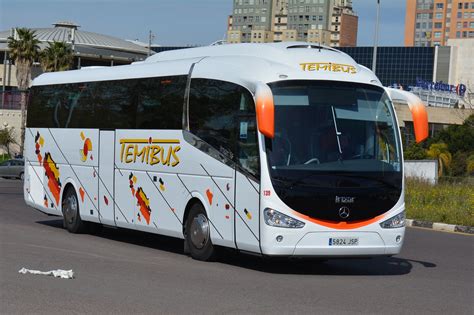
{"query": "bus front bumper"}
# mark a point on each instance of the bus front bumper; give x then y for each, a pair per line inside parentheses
(322, 244)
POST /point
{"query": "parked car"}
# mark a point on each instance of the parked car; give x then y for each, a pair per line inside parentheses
(12, 169)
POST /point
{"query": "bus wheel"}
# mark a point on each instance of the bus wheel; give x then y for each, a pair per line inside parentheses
(70, 208)
(198, 236)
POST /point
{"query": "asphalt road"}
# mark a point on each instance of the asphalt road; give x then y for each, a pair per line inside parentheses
(123, 272)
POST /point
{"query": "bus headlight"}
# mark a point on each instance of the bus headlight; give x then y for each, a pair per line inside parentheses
(397, 221)
(278, 219)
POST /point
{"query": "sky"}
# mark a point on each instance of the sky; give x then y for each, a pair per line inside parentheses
(176, 22)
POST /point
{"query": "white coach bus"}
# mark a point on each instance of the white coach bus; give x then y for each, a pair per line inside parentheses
(284, 149)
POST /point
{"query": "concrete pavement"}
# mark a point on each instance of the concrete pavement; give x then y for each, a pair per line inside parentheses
(120, 271)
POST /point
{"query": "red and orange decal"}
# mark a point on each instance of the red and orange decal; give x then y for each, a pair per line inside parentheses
(52, 173)
(86, 151)
(143, 202)
(39, 143)
(209, 196)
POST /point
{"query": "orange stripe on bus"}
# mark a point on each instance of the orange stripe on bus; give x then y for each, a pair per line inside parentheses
(339, 225)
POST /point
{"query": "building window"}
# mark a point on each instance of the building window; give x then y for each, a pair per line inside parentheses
(437, 34)
(438, 25)
(459, 15)
(439, 15)
(458, 34)
(460, 5)
(439, 6)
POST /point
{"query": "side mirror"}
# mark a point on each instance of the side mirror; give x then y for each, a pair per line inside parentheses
(417, 109)
(265, 110)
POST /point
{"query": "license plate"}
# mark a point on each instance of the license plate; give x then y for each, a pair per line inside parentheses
(343, 241)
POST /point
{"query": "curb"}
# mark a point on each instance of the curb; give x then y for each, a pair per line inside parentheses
(440, 226)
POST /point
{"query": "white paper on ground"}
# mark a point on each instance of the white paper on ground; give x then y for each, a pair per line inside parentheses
(58, 273)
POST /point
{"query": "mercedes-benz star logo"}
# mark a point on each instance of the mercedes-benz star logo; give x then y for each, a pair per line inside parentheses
(344, 212)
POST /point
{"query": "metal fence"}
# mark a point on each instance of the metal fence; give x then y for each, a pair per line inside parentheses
(10, 100)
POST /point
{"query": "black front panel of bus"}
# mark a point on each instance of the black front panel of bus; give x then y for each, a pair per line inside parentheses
(366, 197)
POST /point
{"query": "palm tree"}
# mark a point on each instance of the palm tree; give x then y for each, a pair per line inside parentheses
(57, 56)
(439, 151)
(24, 50)
(7, 138)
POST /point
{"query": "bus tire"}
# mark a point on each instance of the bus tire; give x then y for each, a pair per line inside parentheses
(71, 215)
(198, 234)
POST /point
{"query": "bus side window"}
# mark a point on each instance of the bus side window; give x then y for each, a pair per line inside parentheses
(223, 115)
(247, 143)
(115, 103)
(160, 102)
(41, 106)
(212, 106)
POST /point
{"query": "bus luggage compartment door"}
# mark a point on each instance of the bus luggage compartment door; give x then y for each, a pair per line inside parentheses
(106, 177)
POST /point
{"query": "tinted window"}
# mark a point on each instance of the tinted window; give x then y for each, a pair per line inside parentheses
(223, 115)
(160, 103)
(154, 103)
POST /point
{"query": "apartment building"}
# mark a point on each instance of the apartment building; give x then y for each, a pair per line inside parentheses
(330, 22)
(433, 22)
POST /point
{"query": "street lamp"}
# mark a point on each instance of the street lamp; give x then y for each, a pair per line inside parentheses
(376, 38)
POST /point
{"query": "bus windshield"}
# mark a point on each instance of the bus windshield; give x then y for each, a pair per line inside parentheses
(333, 135)
(333, 127)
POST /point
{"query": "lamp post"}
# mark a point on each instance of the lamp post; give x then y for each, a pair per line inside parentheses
(376, 38)
(151, 36)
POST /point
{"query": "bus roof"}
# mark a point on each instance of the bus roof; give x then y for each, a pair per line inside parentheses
(240, 63)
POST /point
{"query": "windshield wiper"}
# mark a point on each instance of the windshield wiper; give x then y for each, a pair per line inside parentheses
(338, 133)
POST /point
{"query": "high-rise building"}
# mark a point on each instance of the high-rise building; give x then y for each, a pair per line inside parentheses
(330, 22)
(433, 22)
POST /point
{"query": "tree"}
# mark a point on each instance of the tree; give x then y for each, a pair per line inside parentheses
(414, 151)
(57, 56)
(439, 151)
(457, 137)
(24, 50)
(7, 138)
(470, 165)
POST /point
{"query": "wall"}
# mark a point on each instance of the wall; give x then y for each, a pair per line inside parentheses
(424, 169)
(11, 118)
(10, 75)
(437, 115)
(349, 26)
(462, 66)
(410, 22)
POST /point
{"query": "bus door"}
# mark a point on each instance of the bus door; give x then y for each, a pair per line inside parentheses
(106, 177)
(247, 184)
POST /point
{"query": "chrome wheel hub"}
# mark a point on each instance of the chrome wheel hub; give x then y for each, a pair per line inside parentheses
(199, 231)
(70, 209)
